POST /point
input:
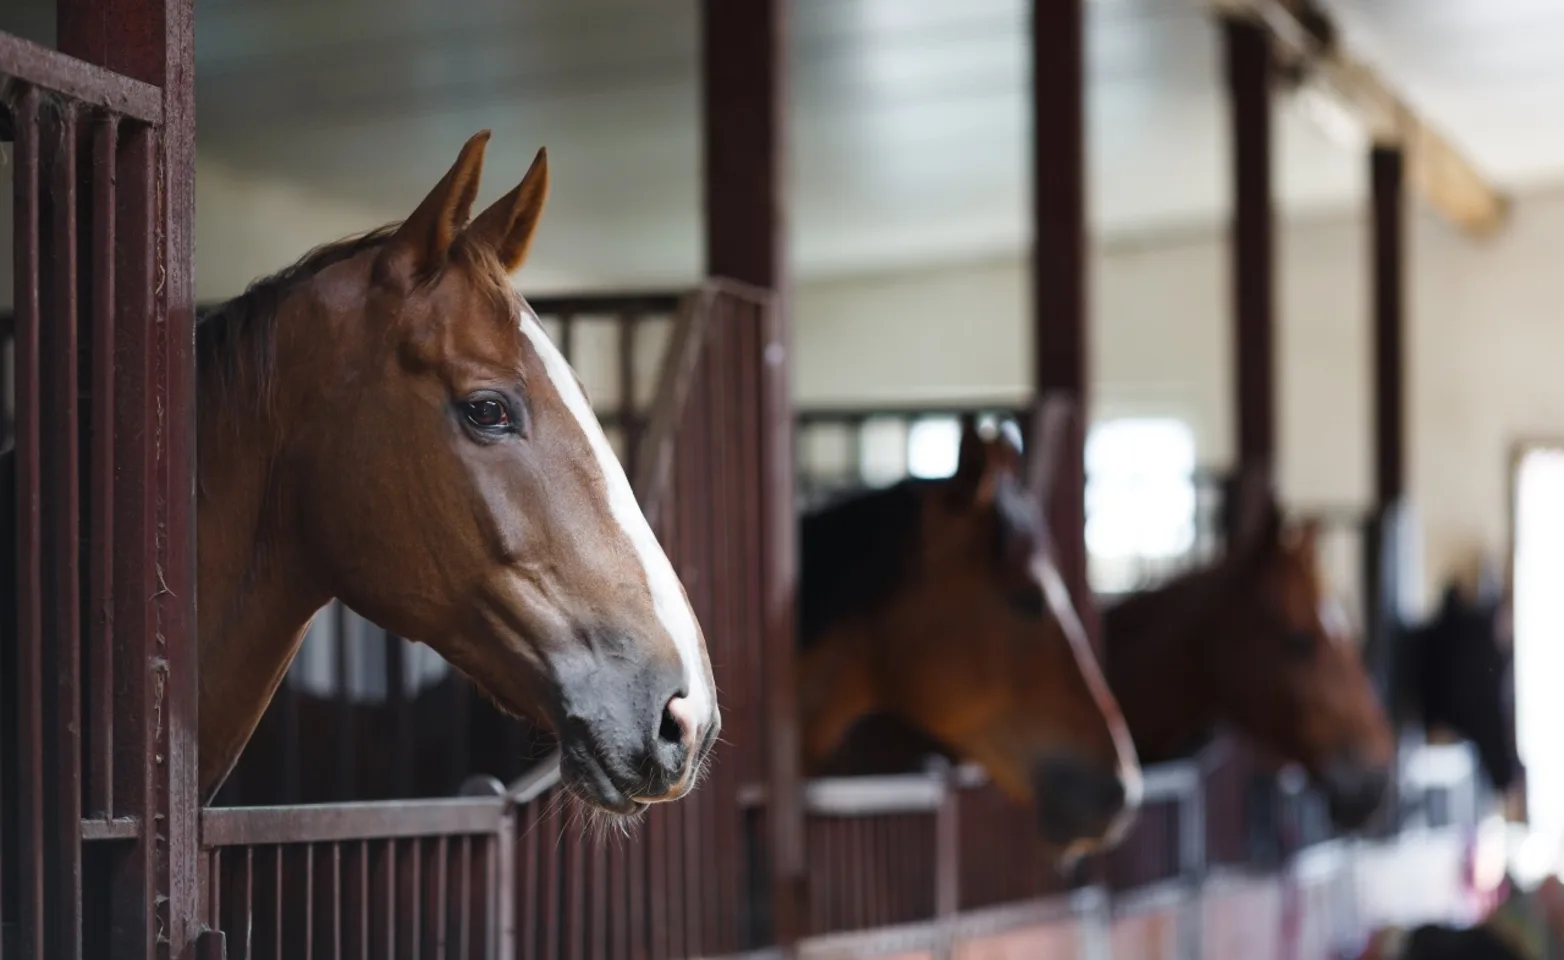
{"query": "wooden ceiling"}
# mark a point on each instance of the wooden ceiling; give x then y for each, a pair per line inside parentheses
(909, 137)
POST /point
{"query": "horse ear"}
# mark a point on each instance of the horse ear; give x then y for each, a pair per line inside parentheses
(1257, 523)
(507, 226)
(971, 462)
(423, 241)
(1306, 539)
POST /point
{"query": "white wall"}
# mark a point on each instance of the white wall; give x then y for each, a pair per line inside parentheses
(1485, 341)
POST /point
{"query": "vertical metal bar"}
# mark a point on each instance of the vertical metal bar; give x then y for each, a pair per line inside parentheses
(32, 801)
(442, 862)
(249, 903)
(101, 592)
(309, 901)
(277, 905)
(365, 896)
(464, 900)
(60, 473)
(527, 895)
(656, 883)
(598, 918)
(505, 887)
(214, 894)
(388, 863)
(179, 778)
(1249, 88)
(415, 936)
(336, 901)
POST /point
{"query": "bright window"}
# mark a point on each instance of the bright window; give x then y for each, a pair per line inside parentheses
(1140, 487)
(1140, 498)
(1539, 642)
(933, 444)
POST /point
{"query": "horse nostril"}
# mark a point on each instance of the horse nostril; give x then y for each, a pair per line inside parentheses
(669, 730)
(679, 725)
(1113, 793)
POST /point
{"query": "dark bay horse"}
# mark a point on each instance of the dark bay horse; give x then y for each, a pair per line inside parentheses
(1454, 674)
(387, 423)
(934, 601)
(1254, 643)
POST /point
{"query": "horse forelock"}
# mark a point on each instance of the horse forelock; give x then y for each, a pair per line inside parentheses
(856, 555)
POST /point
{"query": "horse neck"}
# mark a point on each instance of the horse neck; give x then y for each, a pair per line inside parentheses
(835, 690)
(1156, 663)
(854, 558)
(256, 600)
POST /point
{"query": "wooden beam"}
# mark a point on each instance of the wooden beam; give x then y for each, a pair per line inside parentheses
(1442, 175)
(1059, 271)
(1249, 68)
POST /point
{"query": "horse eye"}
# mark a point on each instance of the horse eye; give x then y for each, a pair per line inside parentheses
(1028, 600)
(1300, 643)
(486, 413)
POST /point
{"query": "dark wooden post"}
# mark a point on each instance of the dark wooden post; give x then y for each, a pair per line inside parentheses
(156, 895)
(1387, 168)
(1382, 540)
(744, 89)
(1059, 268)
(1249, 78)
(1253, 266)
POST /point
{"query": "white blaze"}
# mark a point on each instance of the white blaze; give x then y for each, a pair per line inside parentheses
(667, 595)
(1063, 607)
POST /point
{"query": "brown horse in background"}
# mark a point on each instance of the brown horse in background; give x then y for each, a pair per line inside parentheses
(1254, 643)
(386, 422)
(934, 601)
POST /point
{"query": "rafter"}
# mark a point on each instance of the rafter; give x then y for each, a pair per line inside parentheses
(1308, 45)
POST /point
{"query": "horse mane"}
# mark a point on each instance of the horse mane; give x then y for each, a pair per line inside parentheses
(855, 554)
(1182, 598)
(235, 348)
(234, 344)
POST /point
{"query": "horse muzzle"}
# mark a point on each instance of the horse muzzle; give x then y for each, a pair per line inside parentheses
(1353, 790)
(1078, 801)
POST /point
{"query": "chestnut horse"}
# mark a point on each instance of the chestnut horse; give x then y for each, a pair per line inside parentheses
(935, 602)
(386, 422)
(1254, 643)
